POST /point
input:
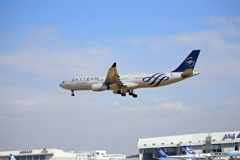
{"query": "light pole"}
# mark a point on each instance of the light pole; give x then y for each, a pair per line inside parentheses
(44, 150)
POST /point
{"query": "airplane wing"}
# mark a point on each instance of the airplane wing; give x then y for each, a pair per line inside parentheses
(113, 77)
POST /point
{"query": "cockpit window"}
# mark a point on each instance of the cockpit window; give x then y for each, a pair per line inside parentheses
(62, 81)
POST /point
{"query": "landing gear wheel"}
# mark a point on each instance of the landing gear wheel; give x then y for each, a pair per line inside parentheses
(135, 95)
(72, 93)
(123, 94)
(119, 92)
(130, 93)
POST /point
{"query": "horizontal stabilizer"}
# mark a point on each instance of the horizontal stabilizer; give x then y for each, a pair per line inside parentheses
(187, 72)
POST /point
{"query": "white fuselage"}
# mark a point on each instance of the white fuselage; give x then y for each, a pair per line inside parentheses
(129, 81)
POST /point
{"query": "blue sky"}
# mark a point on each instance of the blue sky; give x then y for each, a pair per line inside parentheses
(43, 43)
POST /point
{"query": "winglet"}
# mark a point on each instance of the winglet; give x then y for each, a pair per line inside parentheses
(189, 62)
(114, 64)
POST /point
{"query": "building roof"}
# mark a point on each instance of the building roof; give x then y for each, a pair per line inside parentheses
(189, 139)
(55, 152)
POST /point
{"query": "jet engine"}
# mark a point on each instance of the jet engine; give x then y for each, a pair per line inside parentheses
(100, 87)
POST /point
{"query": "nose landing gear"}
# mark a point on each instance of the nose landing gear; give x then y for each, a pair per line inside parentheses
(72, 93)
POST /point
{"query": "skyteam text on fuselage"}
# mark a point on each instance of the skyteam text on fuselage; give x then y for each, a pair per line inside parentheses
(127, 83)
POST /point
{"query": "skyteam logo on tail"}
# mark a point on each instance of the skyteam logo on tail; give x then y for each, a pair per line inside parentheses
(189, 150)
(189, 62)
(156, 78)
(161, 153)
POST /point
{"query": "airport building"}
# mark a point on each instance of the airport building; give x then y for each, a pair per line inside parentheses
(57, 154)
(200, 143)
(39, 154)
(98, 155)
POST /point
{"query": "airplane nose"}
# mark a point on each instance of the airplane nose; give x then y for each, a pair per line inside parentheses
(61, 85)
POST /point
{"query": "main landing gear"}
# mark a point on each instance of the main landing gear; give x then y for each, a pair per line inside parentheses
(131, 93)
(123, 94)
(72, 93)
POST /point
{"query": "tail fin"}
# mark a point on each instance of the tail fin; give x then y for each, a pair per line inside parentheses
(189, 62)
(12, 157)
(88, 157)
(161, 153)
(189, 150)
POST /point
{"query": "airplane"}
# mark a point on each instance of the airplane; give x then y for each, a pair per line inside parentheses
(12, 157)
(232, 154)
(127, 83)
(191, 152)
(164, 156)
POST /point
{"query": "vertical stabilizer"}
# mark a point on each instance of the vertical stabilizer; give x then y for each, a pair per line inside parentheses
(189, 62)
(12, 157)
(189, 150)
(162, 154)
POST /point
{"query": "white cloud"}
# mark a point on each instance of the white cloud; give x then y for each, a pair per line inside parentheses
(44, 52)
(48, 30)
(207, 40)
(172, 106)
(153, 104)
(168, 104)
(138, 108)
(115, 103)
(55, 63)
(156, 99)
(236, 19)
(218, 54)
(30, 102)
(228, 27)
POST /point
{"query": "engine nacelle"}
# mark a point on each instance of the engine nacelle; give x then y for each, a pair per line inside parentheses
(100, 87)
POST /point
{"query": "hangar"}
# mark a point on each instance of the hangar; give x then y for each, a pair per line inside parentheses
(38, 154)
(200, 143)
(58, 154)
